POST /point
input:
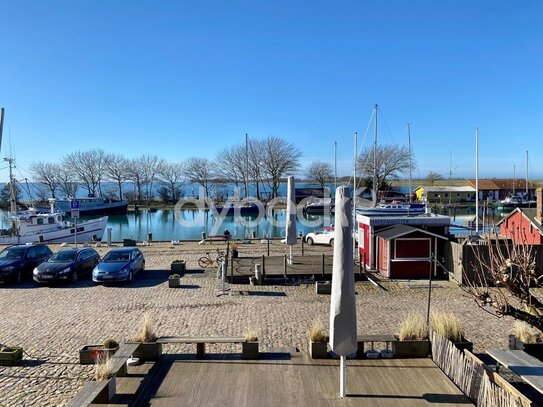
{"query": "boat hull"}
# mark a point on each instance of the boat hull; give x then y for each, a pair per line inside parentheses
(86, 232)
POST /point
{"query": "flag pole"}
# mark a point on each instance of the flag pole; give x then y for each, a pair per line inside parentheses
(342, 378)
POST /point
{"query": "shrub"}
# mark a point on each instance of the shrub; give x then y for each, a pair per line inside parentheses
(413, 327)
(110, 343)
(316, 332)
(103, 367)
(145, 333)
(447, 325)
(250, 335)
(175, 276)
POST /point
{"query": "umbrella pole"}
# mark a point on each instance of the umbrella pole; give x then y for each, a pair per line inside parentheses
(342, 381)
(290, 255)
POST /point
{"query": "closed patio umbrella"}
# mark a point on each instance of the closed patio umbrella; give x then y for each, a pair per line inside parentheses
(291, 216)
(343, 302)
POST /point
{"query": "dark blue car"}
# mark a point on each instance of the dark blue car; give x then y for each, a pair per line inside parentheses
(119, 265)
(17, 262)
(67, 264)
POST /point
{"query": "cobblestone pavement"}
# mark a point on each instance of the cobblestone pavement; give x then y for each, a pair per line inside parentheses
(53, 323)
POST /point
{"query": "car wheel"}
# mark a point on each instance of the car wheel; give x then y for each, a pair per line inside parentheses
(310, 241)
(74, 276)
(332, 242)
(129, 279)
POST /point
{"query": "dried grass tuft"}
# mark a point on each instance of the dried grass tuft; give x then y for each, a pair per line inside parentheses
(523, 332)
(146, 333)
(413, 327)
(250, 335)
(447, 325)
(103, 367)
(316, 332)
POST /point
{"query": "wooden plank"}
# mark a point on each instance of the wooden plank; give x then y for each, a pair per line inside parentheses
(120, 357)
(87, 394)
(189, 339)
(526, 366)
(376, 338)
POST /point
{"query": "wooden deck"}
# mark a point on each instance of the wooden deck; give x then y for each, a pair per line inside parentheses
(319, 267)
(180, 380)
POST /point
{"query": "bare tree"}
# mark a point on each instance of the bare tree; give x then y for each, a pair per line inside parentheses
(433, 177)
(231, 165)
(150, 165)
(67, 181)
(257, 155)
(281, 158)
(46, 174)
(171, 177)
(89, 167)
(320, 171)
(116, 169)
(506, 280)
(200, 171)
(392, 161)
(135, 173)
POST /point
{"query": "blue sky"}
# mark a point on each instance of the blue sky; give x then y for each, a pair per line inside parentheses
(180, 78)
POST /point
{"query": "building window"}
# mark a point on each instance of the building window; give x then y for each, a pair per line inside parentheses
(458, 194)
(436, 195)
(446, 195)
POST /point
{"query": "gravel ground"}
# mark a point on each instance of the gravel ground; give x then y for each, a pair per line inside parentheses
(53, 323)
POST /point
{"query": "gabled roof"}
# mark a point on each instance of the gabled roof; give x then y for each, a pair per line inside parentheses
(529, 214)
(396, 231)
(438, 188)
(502, 184)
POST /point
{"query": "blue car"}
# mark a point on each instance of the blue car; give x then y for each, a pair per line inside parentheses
(119, 265)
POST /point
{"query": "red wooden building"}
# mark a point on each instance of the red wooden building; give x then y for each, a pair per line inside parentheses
(524, 225)
(401, 246)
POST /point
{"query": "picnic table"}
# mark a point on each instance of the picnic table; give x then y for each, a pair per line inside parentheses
(530, 369)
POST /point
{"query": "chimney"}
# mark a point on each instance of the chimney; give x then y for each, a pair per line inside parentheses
(539, 199)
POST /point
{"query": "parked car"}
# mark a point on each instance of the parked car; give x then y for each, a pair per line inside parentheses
(17, 262)
(119, 265)
(322, 236)
(67, 264)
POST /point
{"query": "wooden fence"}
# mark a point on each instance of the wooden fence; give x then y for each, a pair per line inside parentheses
(473, 377)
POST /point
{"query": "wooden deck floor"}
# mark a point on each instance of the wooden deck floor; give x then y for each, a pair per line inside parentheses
(274, 266)
(178, 380)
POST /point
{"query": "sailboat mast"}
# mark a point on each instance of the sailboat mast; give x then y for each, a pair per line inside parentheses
(12, 200)
(335, 166)
(246, 165)
(410, 162)
(354, 192)
(376, 107)
(527, 174)
(2, 113)
(514, 177)
(477, 180)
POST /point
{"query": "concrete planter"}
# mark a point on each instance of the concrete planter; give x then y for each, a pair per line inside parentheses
(11, 356)
(533, 349)
(178, 267)
(411, 349)
(89, 353)
(174, 282)
(318, 350)
(148, 351)
(323, 287)
(106, 395)
(249, 350)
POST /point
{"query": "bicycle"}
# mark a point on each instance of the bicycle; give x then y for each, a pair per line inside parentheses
(207, 261)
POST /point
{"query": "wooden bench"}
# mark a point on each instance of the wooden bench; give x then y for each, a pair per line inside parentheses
(363, 339)
(98, 391)
(527, 367)
(200, 342)
(217, 238)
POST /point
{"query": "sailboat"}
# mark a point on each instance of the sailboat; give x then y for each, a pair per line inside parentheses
(394, 207)
(518, 200)
(30, 226)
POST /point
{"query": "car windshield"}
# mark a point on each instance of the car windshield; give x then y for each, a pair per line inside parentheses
(117, 256)
(16, 253)
(62, 257)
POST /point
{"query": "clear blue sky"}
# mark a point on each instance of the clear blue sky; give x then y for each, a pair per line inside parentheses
(180, 78)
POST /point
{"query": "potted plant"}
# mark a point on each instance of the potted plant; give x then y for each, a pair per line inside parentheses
(318, 340)
(413, 339)
(174, 281)
(149, 349)
(89, 353)
(524, 339)
(249, 348)
(103, 371)
(235, 252)
(10, 355)
(449, 326)
(178, 267)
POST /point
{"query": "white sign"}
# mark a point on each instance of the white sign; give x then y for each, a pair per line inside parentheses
(75, 213)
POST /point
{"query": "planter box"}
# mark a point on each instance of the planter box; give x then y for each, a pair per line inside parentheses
(533, 349)
(318, 350)
(178, 267)
(411, 349)
(174, 282)
(249, 350)
(323, 287)
(11, 356)
(465, 344)
(108, 393)
(88, 354)
(148, 351)
(129, 242)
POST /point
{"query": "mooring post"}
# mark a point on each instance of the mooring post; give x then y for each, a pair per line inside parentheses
(263, 266)
(323, 264)
(268, 247)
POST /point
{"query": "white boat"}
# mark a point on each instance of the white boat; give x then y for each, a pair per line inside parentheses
(394, 208)
(32, 227)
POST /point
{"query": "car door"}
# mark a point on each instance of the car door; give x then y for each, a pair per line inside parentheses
(32, 260)
(138, 258)
(320, 237)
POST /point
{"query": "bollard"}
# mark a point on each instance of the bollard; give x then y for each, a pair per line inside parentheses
(108, 231)
(149, 237)
(203, 235)
(253, 234)
(258, 274)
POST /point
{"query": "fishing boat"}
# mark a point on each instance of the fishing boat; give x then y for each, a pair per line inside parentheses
(319, 206)
(393, 208)
(91, 206)
(518, 200)
(239, 209)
